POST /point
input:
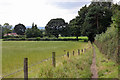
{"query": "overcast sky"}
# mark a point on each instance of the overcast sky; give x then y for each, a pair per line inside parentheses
(38, 11)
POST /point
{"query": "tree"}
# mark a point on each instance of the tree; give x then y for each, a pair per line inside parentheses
(55, 27)
(75, 27)
(97, 20)
(76, 24)
(33, 32)
(20, 29)
(81, 15)
(103, 3)
(115, 7)
(65, 31)
(34, 26)
(6, 28)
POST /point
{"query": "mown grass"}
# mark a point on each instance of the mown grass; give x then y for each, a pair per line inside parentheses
(14, 52)
(106, 68)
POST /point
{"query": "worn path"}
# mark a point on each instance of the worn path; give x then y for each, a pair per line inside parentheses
(93, 66)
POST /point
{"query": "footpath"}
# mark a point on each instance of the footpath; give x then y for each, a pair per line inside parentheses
(93, 66)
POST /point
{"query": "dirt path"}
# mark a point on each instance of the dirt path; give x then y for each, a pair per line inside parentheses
(93, 66)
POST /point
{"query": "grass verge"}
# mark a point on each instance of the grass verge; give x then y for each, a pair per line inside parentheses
(77, 66)
(106, 68)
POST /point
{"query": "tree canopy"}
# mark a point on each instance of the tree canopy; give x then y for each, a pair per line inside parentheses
(96, 21)
(92, 20)
(55, 27)
(6, 28)
(77, 23)
(33, 32)
(74, 28)
(20, 29)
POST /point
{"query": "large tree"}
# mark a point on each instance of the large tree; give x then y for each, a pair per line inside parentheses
(76, 24)
(97, 20)
(92, 20)
(75, 27)
(55, 27)
(20, 29)
(81, 15)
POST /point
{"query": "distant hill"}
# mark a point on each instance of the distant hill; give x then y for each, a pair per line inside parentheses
(38, 27)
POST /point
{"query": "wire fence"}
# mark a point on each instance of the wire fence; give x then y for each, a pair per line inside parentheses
(21, 69)
(50, 58)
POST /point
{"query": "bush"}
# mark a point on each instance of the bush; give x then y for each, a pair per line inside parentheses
(37, 38)
(33, 33)
(108, 42)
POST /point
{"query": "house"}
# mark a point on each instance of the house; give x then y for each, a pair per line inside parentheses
(11, 34)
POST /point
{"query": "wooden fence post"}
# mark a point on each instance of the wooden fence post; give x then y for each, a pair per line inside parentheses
(64, 50)
(53, 59)
(68, 54)
(73, 53)
(25, 68)
(78, 51)
(82, 50)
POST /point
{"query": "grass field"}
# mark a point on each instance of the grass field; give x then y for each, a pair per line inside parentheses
(14, 52)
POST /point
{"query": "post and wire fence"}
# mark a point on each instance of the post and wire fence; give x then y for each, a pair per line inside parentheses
(25, 67)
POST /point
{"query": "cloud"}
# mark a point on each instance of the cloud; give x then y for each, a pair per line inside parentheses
(70, 5)
(119, 3)
(5, 4)
(69, 0)
(38, 11)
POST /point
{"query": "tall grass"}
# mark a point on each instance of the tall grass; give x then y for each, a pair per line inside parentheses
(106, 68)
(108, 45)
(77, 66)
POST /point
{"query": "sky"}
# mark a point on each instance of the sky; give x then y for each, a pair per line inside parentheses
(39, 11)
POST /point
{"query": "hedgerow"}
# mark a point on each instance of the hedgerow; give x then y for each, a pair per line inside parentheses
(108, 42)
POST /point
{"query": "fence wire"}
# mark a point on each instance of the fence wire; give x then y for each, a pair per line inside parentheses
(4, 76)
(7, 75)
(12, 73)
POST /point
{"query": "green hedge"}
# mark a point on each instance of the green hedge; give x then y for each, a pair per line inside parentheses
(40, 39)
(108, 43)
(23, 38)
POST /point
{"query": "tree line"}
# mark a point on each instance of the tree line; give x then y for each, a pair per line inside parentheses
(91, 20)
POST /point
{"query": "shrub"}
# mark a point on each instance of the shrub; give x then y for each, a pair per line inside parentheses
(107, 42)
(37, 38)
